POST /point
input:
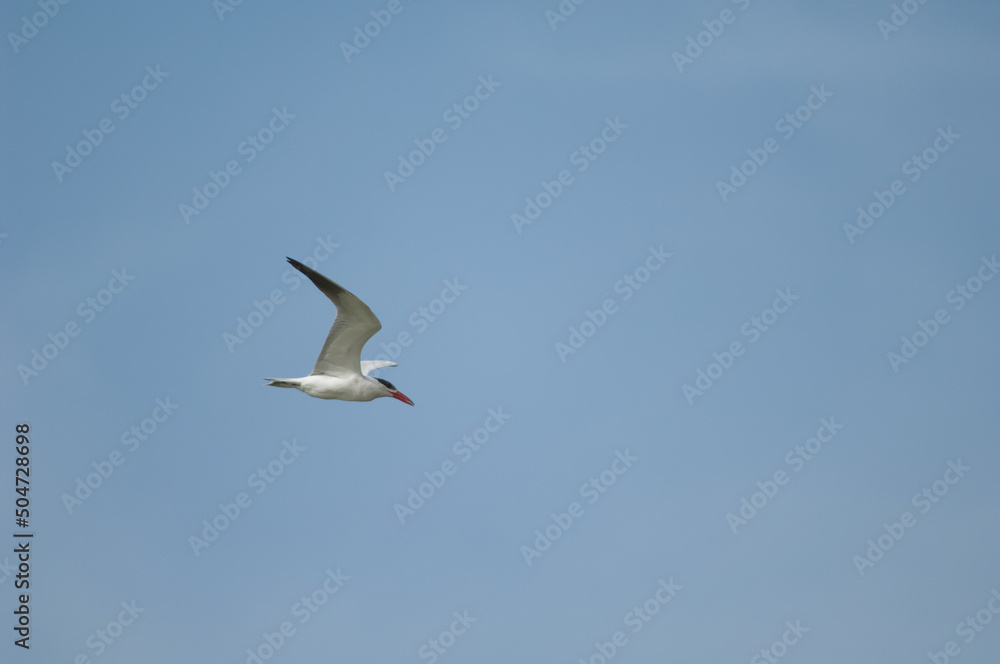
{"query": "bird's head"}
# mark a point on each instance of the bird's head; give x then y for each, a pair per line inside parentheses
(391, 391)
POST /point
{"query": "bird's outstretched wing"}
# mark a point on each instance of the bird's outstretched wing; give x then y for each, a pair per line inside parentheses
(354, 325)
(368, 366)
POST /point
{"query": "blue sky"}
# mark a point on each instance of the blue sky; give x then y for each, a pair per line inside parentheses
(696, 225)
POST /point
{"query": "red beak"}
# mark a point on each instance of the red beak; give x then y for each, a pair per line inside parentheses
(402, 397)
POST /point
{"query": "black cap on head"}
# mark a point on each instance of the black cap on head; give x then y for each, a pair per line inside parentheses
(387, 384)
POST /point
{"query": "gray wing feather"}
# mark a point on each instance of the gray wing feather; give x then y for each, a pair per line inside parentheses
(354, 325)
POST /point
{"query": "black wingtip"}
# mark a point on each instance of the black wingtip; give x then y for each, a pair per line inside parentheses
(304, 269)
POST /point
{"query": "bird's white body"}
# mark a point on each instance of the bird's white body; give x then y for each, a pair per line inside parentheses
(346, 387)
(340, 373)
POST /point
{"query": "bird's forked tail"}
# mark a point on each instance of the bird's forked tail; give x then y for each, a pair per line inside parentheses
(283, 382)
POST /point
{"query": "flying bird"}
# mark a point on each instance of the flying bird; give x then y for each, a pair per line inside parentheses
(340, 373)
